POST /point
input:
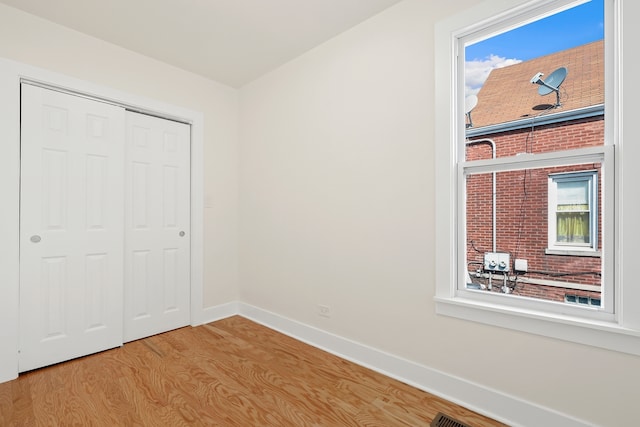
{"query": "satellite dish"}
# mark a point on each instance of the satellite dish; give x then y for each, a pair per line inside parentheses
(551, 84)
(470, 103)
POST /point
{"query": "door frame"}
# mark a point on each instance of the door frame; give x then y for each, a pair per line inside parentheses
(11, 75)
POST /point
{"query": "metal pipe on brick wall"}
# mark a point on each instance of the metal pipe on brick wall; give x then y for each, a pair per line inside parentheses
(493, 189)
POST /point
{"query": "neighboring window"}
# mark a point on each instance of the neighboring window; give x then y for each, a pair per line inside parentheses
(582, 299)
(572, 211)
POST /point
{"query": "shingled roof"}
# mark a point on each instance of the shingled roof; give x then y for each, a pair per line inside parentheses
(508, 94)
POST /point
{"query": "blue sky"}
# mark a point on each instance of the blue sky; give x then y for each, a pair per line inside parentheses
(573, 27)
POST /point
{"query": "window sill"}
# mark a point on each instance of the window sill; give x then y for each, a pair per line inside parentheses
(597, 333)
(573, 252)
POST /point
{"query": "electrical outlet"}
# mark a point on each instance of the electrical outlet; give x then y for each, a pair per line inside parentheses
(324, 310)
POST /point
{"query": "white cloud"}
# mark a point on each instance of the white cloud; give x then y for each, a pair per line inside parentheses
(477, 71)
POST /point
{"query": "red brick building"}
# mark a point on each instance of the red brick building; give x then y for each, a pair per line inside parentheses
(545, 223)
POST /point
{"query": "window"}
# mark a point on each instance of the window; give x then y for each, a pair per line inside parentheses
(532, 198)
(573, 211)
(531, 184)
(580, 299)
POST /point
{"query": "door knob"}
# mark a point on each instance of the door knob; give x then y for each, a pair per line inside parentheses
(35, 238)
(182, 233)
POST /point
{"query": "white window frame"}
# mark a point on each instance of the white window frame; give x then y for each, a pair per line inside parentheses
(617, 329)
(591, 178)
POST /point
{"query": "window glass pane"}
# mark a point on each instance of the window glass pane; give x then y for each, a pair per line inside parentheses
(573, 195)
(573, 216)
(535, 88)
(508, 219)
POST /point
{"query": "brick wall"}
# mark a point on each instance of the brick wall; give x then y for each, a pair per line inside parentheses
(522, 207)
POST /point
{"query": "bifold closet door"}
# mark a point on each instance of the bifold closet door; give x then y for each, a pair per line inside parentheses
(71, 227)
(157, 226)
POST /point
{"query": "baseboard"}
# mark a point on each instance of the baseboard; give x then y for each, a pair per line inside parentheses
(491, 403)
(218, 312)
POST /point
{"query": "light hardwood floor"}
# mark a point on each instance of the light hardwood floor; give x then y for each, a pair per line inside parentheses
(233, 372)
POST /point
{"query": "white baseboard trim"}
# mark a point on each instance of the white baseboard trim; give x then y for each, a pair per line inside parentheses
(218, 312)
(491, 403)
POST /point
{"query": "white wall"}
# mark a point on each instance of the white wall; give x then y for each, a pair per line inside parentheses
(37, 42)
(336, 208)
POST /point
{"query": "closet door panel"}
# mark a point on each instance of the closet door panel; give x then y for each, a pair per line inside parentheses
(71, 227)
(157, 226)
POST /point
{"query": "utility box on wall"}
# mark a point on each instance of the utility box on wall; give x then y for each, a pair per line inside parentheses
(521, 265)
(496, 261)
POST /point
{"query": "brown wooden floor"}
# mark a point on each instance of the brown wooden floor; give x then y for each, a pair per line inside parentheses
(233, 372)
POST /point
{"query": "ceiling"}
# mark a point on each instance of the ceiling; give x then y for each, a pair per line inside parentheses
(230, 41)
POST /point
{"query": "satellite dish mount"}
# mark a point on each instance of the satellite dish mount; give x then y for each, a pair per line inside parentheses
(551, 84)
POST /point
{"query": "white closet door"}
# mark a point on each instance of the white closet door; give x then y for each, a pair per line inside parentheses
(71, 227)
(157, 226)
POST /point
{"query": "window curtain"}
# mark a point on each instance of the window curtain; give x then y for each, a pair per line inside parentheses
(573, 224)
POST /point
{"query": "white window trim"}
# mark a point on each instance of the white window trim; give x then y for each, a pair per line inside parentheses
(620, 332)
(591, 177)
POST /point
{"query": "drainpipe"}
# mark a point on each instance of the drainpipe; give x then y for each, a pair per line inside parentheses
(493, 190)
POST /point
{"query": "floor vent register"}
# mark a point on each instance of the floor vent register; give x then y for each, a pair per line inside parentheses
(442, 420)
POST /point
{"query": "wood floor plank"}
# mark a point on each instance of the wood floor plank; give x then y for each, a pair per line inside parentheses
(229, 373)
